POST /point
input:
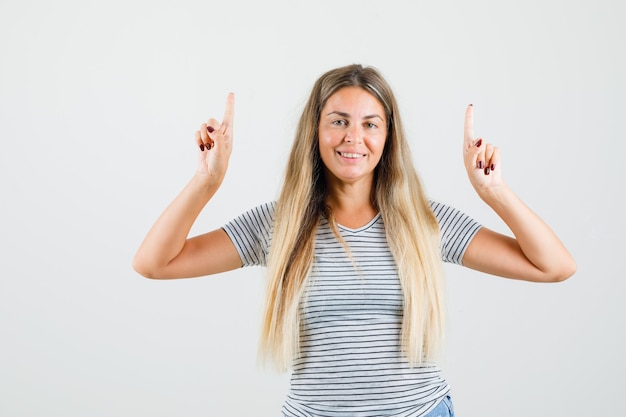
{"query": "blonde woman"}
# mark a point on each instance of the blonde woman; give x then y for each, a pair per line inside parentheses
(353, 249)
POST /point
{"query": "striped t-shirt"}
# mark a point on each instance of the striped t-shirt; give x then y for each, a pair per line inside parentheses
(350, 361)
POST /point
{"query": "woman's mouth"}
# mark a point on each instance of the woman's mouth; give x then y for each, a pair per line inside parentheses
(351, 155)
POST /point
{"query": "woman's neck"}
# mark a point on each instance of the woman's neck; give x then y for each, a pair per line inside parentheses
(351, 205)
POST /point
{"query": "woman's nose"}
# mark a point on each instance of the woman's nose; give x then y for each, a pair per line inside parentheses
(354, 134)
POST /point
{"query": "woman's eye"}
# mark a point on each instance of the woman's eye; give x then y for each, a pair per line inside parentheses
(339, 122)
(370, 125)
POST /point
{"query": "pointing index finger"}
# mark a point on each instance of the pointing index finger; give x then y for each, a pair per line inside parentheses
(469, 125)
(229, 112)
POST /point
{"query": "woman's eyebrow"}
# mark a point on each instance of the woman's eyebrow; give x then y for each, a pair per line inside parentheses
(342, 114)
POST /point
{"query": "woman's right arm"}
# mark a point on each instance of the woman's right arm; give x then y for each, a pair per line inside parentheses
(167, 252)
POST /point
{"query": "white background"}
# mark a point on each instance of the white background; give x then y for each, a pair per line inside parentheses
(98, 105)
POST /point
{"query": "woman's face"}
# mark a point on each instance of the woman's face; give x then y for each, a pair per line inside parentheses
(352, 133)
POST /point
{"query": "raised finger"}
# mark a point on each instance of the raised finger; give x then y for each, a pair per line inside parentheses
(468, 130)
(229, 112)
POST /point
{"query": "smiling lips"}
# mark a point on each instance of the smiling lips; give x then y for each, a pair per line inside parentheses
(351, 155)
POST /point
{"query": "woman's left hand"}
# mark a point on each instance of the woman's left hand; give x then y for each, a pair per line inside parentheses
(482, 160)
(535, 253)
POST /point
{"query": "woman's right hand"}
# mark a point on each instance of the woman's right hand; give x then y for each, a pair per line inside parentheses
(215, 141)
(167, 251)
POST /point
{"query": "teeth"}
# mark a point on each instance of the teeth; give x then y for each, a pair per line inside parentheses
(350, 155)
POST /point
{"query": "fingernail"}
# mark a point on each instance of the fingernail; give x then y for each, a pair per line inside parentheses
(487, 170)
(202, 147)
(493, 167)
(209, 146)
(480, 142)
(210, 129)
(480, 164)
(471, 105)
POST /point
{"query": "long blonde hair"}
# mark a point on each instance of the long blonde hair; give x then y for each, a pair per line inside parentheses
(411, 228)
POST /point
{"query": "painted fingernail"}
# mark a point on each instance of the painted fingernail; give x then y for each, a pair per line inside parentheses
(487, 170)
(202, 147)
(493, 167)
(210, 129)
(480, 164)
(209, 146)
(479, 142)
(471, 105)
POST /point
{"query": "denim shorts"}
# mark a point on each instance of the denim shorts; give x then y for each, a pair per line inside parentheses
(443, 409)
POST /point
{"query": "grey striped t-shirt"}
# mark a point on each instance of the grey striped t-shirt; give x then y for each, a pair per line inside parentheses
(351, 362)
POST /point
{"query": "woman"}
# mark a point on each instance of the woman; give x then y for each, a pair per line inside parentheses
(353, 250)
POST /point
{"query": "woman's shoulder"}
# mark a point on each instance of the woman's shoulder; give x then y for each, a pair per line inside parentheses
(261, 212)
(448, 215)
(439, 207)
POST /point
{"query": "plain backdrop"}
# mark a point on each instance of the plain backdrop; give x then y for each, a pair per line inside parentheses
(99, 101)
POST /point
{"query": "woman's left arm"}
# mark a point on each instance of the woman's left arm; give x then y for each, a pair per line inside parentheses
(535, 253)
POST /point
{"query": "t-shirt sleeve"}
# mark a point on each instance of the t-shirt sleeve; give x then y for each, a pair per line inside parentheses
(456, 231)
(251, 234)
